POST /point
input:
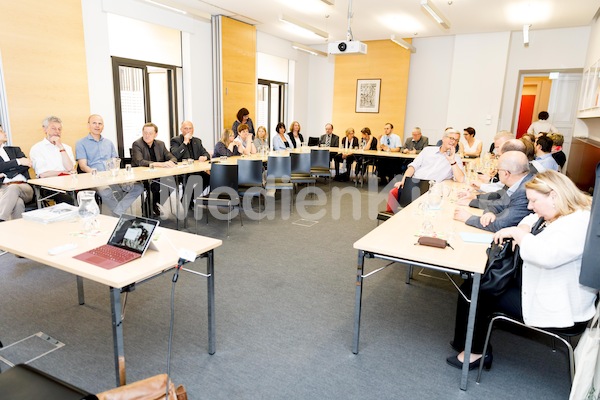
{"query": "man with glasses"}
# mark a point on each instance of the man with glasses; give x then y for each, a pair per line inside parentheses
(510, 207)
(433, 163)
(15, 192)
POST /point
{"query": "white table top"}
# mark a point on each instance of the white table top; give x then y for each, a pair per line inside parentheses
(103, 178)
(33, 240)
(397, 236)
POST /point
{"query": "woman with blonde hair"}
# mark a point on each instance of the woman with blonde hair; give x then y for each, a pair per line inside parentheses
(222, 146)
(262, 138)
(551, 244)
(295, 135)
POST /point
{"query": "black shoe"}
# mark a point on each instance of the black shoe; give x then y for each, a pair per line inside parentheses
(487, 362)
(155, 210)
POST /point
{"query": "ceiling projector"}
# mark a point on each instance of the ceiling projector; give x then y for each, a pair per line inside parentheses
(347, 47)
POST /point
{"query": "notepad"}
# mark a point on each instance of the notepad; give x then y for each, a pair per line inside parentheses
(469, 237)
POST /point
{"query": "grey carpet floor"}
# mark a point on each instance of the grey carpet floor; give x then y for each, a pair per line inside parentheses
(284, 315)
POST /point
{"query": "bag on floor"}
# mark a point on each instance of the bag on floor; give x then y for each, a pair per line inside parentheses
(586, 383)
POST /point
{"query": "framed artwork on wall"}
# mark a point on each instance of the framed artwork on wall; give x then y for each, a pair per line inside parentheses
(367, 95)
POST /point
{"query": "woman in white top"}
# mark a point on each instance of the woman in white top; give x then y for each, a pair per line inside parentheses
(548, 293)
(469, 146)
(295, 136)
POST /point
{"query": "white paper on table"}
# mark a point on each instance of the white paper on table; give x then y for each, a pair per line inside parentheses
(469, 237)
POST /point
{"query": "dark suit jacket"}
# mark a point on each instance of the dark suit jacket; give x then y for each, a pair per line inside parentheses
(181, 151)
(509, 210)
(335, 140)
(12, 168)
(293, 140)
(140, 153)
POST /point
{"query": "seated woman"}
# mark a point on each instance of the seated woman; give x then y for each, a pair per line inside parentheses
(295, 135)
(281, 141)
(368, 142)
(548, 293)
(348, 143)
(469, 146)
(262, 139)
(222, 146)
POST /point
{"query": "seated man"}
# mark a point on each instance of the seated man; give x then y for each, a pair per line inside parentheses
(416, 142)
(543, 153)
(557, 143)
(433, 163)
(52, 157)
(387, 168)
(186, 146)
(244, 140)
(506, 207)
(329, 139)
(15, 192)
(146, 152)
(92, 152)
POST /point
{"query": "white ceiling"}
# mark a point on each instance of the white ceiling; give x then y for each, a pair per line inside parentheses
(379, 19)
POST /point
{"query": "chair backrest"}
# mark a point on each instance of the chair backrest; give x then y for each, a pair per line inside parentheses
(300, 163)
(250, 172)
(313, 141)
(278, 167)
(413, 188)
(223, 175)
(319, 158)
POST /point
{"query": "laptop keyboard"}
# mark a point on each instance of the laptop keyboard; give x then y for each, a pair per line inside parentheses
(114, 253)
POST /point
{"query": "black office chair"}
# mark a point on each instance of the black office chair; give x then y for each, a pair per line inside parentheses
(223, 193)
(279, 171)
(412, 190)
(562, 334)
(301, 169)
(250, 179)
(320, 164)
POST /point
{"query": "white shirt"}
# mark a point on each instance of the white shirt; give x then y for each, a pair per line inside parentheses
(431, 164)
(17, 178)
(45, 157)
(541, 126)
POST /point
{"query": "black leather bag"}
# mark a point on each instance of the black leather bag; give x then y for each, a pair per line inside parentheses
(503, 265)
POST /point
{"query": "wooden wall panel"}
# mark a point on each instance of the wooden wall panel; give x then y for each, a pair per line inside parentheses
(238, 54)
(384, 60)
(43, 55)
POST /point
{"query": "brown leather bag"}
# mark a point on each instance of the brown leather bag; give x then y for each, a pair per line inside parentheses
(152, 388)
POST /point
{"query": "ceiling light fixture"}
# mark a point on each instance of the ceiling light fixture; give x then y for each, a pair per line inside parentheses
(303, 26)
(403, 43)
(167, 7)
(526, 35)
(428, 6)
(329, 2)
(308, 49)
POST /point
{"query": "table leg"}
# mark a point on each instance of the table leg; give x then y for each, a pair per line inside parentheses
(470, 328)
(80, 294)
(117, 325)
(38, 195)
(210, 283)
(358, 300)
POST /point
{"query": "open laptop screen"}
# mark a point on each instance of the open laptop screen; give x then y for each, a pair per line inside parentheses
(133, 233)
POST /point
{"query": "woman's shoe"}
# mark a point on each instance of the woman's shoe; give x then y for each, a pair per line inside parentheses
(487, 362)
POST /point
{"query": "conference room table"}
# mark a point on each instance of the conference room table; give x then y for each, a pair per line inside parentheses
(395, 240)
(19, 235)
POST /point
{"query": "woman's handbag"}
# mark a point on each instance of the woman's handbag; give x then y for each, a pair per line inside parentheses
(586, 383)
(502, 266)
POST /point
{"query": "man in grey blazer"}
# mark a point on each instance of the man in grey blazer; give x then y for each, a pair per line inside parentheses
(15, 192)
(330, 139)
(149, 152)
(510, 207)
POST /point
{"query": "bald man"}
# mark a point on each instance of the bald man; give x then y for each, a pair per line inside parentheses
(511, 207)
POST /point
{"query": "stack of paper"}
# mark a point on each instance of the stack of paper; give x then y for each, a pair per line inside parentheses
(57, 212)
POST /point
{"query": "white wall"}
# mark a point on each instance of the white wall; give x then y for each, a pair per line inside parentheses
(551, 49)
(195, 60)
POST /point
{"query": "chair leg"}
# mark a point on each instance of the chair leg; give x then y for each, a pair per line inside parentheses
(485, 346)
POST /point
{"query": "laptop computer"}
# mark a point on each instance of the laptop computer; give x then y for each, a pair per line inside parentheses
(130, 240)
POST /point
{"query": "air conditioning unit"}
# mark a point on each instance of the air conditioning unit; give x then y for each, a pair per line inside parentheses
(347, 47)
